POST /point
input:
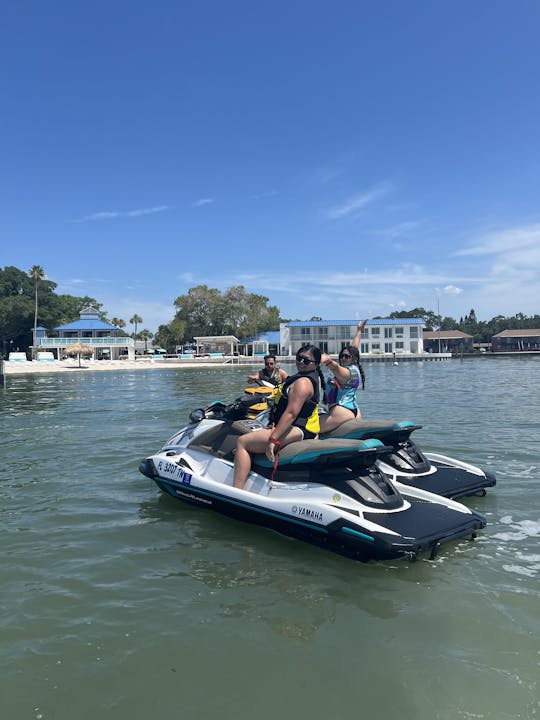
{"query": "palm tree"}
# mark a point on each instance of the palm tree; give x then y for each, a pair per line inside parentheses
(37, 273)
(146, 335)
(135, 320)
(118, 322)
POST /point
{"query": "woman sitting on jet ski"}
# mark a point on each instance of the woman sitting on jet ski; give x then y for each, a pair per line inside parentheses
(294, 415)
(341, 389)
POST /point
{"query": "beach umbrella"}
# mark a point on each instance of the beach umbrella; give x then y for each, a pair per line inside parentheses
(79, 349)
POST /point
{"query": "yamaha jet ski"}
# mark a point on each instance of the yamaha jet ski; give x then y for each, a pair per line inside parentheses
(403, 461)
(328, 492)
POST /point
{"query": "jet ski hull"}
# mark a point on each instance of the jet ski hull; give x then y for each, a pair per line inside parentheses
(404, 462)
(408, 523)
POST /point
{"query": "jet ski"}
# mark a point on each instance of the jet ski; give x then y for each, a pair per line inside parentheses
(329, 492)
(404, 462)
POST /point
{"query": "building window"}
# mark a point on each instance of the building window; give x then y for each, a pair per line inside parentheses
(399, 332)
(388, 332)
(414, 332)
(376, 346)
(388, 347)
(375, 332)
(364, 348)
(400, 345)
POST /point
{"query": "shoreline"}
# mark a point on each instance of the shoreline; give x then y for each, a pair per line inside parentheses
(33, 367)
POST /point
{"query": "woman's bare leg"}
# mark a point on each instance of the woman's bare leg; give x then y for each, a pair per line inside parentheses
(336, 417)
(254, 442)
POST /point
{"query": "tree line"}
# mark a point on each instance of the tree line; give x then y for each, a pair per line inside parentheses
(481, 330)
(28, 299)
(205, 311)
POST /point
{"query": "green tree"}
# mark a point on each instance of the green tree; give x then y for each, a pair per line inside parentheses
(430, 318)
(207, 311)
(37, 273)
(135, 320)
(146, 335)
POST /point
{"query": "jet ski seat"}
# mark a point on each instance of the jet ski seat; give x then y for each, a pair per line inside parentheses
(389, 431)
(327, 452)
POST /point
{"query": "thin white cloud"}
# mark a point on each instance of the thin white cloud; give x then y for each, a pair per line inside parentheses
(203, 201)
(403, 229)
(510, 240)
(450, 290)
(353, 205)
(113, 214)
(264, 195)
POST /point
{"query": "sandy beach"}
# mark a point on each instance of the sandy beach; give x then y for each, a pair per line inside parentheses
(72, 365)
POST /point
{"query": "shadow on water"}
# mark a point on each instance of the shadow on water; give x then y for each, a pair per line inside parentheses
(290, 585)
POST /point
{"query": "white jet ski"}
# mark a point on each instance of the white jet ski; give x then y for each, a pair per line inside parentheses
(328, 492)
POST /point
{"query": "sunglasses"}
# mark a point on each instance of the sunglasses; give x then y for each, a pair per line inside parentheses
(304, 360)
(345, 356)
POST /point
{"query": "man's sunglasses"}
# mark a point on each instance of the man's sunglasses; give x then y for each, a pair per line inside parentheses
(304, 360)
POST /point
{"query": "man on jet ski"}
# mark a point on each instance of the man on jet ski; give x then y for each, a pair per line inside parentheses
(294, 415)
(270, 373)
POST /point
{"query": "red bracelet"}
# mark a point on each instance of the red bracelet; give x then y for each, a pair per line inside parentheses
(275, 442)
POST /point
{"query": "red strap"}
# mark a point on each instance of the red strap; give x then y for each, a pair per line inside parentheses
(276, 456)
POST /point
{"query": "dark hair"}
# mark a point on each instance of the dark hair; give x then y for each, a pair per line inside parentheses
(268, 357)
(355, 357)
(313, 349)
(316, 354)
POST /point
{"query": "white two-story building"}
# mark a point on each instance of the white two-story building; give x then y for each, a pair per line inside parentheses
(380, 336)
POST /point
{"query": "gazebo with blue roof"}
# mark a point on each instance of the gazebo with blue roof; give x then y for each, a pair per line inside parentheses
(105, 339)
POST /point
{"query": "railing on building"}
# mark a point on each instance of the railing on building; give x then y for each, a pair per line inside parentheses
(65, 342)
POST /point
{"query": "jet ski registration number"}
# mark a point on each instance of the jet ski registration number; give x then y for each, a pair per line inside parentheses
(174, 472)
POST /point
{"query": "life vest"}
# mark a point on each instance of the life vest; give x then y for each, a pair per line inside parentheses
(308, 417)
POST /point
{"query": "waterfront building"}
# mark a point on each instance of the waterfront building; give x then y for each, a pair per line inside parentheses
(526, 340)
(447, 341)
(106, 340)
(381, 336)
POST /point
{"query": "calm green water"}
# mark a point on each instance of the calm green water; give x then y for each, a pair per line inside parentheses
(118, 602)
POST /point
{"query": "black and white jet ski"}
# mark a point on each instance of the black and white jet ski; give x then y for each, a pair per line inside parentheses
(404, 462)
(328, 492)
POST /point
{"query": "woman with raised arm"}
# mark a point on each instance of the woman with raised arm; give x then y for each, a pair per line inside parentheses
(341, 389)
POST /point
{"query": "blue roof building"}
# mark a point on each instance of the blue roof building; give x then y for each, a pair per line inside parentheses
(106, 340)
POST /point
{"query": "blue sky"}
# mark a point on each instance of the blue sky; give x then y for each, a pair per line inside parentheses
(345, 159)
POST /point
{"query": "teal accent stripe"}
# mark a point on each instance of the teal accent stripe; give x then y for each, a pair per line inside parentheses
(404, 424)
(350, 531)
(247, 506)
(323, 451)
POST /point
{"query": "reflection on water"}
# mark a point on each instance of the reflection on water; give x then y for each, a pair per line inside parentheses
(115, 596)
